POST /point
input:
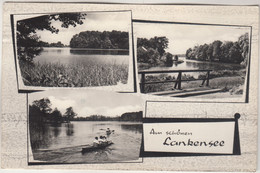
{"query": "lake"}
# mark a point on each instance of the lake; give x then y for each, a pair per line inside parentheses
(79, 55)
(199, 65)
(63, 142)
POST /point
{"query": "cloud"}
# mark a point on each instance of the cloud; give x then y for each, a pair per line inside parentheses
(87, 102)
(183, 36)
(62, 104)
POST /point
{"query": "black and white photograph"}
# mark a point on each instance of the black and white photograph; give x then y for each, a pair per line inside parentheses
(192, 61)
(84, 127)
(86, 49)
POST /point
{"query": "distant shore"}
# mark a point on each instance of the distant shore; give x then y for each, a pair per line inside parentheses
(88, 48)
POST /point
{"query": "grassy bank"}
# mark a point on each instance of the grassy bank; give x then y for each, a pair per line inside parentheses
(73, 75)
(230, 80)
(145, 66)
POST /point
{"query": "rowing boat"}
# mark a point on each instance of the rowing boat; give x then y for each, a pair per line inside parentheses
(178, 61)
(92, 148)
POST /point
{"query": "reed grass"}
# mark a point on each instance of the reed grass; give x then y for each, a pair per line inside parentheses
(73, 75)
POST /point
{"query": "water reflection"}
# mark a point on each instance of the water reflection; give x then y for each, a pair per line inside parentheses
(82, 56)
(41, 135)
(99, 52)
(137, 128)
(59, 51)
(69, 129)
(56, 130)
(211, 65)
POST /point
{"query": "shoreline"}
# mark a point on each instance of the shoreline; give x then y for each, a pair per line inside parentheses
(88, 48)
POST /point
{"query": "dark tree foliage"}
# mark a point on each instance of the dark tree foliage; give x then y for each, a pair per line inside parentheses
(40, 112)
(228, 52)
(243, 42)
(216, 54)
(169, 57)
(188, 53)
(45, 44)
(56, 115)
(28, 42)
(132, 116)
(43, 104)
(157, 43)
(152, 51)
(100, 40)
(149, 55)
(69, 114)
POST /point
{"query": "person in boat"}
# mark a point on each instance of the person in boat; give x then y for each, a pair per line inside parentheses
(176, 58)
(102, 140)
(105, 140)
(96, 142)
(108, 132)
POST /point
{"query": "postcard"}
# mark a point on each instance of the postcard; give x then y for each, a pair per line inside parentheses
(149, 87)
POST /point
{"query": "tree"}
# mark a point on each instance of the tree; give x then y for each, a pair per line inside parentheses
(43, 104)
(169, 59)
(188, 53)
(152, 51)
(69, 114)
(225, 48)
(235, 53)
(209, 52)
(56, 116)
(28, 41)
(143, 42)
(229, 52)
(243, 42)
(104, 40)
(159, 44)
(203, 52)
(216, 50)
(149, 55)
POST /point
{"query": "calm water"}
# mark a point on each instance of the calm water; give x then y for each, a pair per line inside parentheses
(63, 143)
(199, 65)
(71, 56)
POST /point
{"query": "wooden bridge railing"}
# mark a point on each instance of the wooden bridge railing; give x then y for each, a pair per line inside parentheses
(177, 81)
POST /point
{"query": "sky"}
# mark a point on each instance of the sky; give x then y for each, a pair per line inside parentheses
(90, 102)
(94, 21)
(183, 36)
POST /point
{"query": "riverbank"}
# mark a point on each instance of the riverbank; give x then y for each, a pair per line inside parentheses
(232, 85)
(145, 66)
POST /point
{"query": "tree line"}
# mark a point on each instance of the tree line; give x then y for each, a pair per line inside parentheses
(129, 116)
(153, 51)
(228, 51)
(100, 40)
(46, 44)
(40, 111)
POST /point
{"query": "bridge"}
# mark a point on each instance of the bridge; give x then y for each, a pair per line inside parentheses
(177, 89)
